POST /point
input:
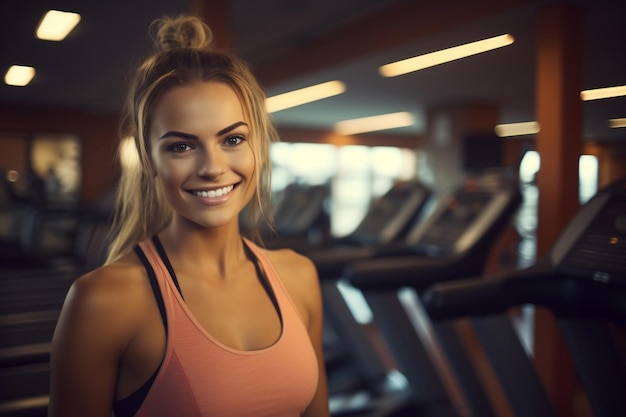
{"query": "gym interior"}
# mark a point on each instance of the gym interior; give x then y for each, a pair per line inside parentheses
(465, 272)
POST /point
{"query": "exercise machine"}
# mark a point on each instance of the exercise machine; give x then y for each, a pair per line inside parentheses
(582, 281)
(452, 243)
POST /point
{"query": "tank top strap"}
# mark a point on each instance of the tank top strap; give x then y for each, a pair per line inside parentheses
(154, 282)
(169, 288)
(269, 271)
(156, 242)
(263, 263)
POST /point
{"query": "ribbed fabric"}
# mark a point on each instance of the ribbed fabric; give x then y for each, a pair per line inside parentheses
(201, 377)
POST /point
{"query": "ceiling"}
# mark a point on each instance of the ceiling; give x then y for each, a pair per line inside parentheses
(89, 70)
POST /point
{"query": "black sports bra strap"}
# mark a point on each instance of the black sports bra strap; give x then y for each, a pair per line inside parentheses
(153, 283)
(264, 280)
(161, 251)
(128, 407)
(167, 263)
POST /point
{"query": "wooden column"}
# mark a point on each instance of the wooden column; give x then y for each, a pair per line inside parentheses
(559, 143)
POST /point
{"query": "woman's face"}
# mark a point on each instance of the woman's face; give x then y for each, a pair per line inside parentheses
(201, 153)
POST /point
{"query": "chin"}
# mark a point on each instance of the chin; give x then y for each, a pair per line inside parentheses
(214, 222)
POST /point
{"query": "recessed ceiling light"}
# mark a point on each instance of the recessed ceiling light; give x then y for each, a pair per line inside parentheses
(56, 25)
(19, 75)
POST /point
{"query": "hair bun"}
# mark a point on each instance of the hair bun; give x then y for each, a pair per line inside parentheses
(182, 32)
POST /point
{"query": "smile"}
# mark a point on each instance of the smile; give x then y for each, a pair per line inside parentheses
(219, 192)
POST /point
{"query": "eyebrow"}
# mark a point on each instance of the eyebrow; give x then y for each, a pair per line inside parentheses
(174, 133)
(231, 127)
(182, 135)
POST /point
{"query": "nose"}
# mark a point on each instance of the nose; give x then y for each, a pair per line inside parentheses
(212, 164)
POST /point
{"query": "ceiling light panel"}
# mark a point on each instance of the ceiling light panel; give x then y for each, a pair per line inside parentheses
(600, 93)
(616, 123)
(304, 95)
(19, 75)
(56, 25)
(445, 55)
(374, 123)
(517, 129)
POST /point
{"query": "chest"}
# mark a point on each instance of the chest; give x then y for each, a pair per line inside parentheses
(241, 313)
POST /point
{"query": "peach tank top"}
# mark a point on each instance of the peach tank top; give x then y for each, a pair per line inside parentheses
(200, 377)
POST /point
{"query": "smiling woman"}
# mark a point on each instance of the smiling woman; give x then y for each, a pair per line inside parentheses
(188, 317)
(202, 155)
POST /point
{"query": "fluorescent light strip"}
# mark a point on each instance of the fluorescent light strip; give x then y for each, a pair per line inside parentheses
(615, 123)
(304, 95)
(446, 55)
(374, 123)
(19, 75)
(600, 93)
(517, 129)
(529, 128)
(56, 25)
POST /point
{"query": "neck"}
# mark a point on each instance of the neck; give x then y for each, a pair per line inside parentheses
(219, 249)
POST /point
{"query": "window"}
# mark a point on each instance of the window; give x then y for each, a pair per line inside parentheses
(356, 175)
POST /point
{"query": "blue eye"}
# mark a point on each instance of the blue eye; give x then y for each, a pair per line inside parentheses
(179, 147)
(233, 140)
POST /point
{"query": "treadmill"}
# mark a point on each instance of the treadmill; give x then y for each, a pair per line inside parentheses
(582, 281)
(453, 243)
(355, 369)
(387, 219)
(300, 213)
(388, 227)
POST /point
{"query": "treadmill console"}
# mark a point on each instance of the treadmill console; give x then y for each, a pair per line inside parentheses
(458, 214)
(593, 246)
(299, 207)
(390, 215)
(467, 215)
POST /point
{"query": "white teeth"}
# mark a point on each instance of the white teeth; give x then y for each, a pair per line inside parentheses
(214, 193)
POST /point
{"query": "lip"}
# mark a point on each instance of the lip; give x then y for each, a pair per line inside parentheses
(213, 195)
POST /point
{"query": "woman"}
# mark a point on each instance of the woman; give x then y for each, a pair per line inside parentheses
(187, 317)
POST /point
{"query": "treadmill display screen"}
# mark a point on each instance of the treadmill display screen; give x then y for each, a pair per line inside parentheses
(600, 253)
(460, 213)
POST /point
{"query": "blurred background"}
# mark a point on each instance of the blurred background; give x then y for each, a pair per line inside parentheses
(59, 137)
(63, 124)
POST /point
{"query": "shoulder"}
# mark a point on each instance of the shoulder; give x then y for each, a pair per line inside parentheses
(102, 314)
(287, 259)
(111, 283)
(292, 266)
(299, 276)
(112, 296)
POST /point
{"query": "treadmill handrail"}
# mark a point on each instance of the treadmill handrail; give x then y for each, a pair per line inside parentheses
(546, 284)
(565, 296)
(393, 273)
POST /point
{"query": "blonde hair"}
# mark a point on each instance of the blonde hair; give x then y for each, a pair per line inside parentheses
(183, 56)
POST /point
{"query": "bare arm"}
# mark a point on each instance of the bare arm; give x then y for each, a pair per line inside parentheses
(319, 405)
(92, 332)
(304, 289)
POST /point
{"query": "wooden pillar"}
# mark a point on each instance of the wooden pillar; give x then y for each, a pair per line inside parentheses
(217, 14)
(559, 143)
